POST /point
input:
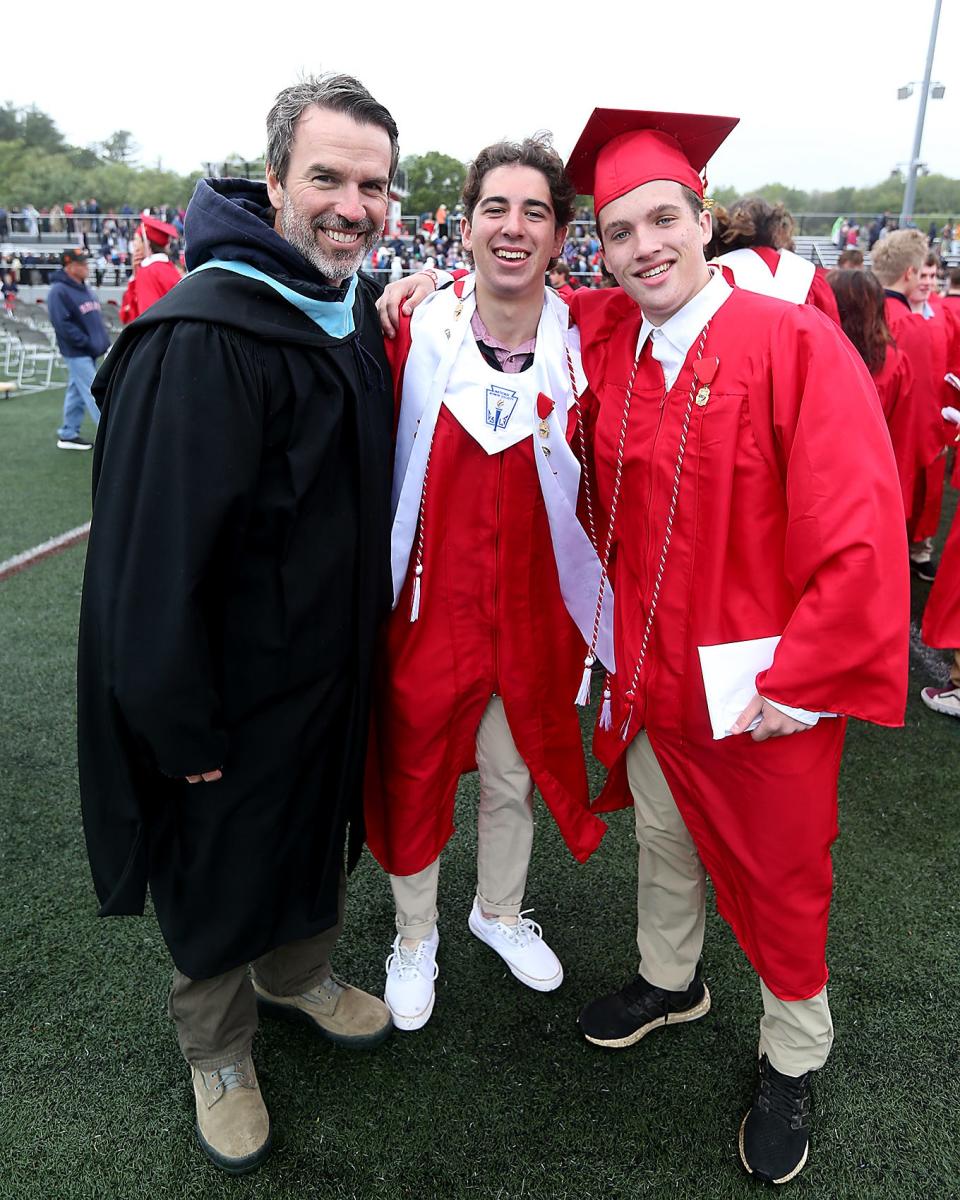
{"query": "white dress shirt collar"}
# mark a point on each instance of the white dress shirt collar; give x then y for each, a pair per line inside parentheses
(672, 340)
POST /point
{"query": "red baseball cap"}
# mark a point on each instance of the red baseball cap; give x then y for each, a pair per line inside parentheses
(620, 149)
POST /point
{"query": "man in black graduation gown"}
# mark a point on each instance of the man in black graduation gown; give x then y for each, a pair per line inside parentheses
(238, 566)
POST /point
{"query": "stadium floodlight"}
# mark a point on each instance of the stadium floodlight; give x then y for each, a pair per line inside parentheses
(936, 92)
(905, 92)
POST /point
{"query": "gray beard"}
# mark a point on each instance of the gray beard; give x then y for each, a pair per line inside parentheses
(300, 233)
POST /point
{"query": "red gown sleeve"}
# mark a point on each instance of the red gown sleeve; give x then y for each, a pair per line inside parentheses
(129, 306)
(821, 296)
(845, 647)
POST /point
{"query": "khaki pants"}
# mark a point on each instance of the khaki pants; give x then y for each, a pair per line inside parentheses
(795, 1035)
(217, 1018)
(504, 835)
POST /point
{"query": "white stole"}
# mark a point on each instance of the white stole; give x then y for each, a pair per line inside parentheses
(791, 282)
(438, 329)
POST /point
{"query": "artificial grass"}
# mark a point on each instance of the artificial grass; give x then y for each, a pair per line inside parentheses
(51, 486)
(498, 1096)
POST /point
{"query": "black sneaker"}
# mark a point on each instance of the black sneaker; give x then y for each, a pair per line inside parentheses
(74, 443)
(925, 570)
(775, 1133)
(623, 1018)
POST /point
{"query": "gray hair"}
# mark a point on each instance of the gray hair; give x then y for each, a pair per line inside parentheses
(341, 93)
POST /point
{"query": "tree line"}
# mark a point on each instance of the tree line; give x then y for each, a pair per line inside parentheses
(38, 166)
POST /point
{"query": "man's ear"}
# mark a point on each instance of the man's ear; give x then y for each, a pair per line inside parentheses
(274, 188)
(706, 226)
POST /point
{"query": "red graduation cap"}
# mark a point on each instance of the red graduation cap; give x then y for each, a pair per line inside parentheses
(621, 148)
(159, 232)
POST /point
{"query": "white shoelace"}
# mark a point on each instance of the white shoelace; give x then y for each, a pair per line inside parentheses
(408, 964)
(524, 932)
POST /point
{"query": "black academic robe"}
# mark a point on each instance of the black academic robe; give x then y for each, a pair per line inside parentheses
(237, 568)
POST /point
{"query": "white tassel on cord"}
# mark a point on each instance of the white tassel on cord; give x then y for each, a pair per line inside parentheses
(415, 605)
(583, 696)
(606, 712)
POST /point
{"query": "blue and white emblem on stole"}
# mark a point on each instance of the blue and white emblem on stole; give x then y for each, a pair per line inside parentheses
(500, 405)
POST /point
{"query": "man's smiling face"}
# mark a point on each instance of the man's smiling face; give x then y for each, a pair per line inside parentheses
(653, 244)
(512, 232)
(333, 202)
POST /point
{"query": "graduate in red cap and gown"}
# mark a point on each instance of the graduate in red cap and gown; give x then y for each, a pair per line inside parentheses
(754, 533)
(153, 272)
(755, 240)
(493, 574)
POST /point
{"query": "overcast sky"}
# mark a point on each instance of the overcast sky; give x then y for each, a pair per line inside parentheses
(815, 85)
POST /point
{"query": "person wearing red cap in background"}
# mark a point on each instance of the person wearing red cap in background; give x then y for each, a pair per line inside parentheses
(755, 518)
(755, 250)
(899, 262)
(153, 272)
(754, 534)
(492, 574)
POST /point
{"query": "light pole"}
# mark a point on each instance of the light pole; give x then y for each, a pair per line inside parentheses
(910, 191)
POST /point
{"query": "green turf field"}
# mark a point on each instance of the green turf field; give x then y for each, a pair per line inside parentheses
(497, 1097)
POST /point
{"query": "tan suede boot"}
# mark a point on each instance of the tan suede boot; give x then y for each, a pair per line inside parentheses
(233, 1126)
(336, 1010)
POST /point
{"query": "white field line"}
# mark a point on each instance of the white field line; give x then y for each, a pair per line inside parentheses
(28, 557)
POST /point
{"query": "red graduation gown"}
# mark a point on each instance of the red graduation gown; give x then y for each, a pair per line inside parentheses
(894, 383)
(950, 307)
(941, 617)
(492, 619)
(147, 284)
(789, 521)
(925, 344)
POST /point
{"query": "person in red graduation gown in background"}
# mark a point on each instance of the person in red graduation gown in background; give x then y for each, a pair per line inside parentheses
(941, 623)
(755, 249)
(153, 272)
(861, 302)
(482, 657)
(950, 305)
(897, 262)
(751, 491)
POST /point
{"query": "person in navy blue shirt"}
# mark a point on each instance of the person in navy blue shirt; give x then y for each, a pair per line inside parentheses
(82, 338)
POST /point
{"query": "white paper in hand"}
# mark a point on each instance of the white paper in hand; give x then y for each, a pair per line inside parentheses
(730, 673)
(730, 678)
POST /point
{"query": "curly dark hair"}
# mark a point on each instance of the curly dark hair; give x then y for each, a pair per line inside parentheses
(536, 152)
(754, 221)
(860, 298)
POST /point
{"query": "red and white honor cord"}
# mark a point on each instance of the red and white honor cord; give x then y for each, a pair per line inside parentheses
(418, 561)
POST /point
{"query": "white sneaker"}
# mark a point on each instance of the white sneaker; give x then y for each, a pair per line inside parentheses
(521, 947)
(943, 700)
(410, 993)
